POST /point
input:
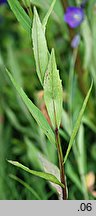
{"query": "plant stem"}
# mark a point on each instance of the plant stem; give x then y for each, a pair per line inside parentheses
(61, 166)
(64, 4)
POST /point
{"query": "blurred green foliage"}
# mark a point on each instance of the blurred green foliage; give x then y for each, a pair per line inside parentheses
(20, 137)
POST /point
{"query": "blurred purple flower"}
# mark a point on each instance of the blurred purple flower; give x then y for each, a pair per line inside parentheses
(75, 42)
(3, 1)
(74, 16)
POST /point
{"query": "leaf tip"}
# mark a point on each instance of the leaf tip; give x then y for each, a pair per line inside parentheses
(53, 52)
(12, 162)
(35, 10)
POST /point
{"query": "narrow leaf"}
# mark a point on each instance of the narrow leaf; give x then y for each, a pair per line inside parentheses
(81, 160)
(88, 42)
(13, 63)
(20, 14)
(47, 176)
(45, 20)
(25, 185)
(71, 173)
(36, 113)
(53, 92)
(89, 123)
(26, 3)
(39, 47)
(77, 124)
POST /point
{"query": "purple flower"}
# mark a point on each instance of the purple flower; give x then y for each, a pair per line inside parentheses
(74, 16)
(3, 1)
(75, 42)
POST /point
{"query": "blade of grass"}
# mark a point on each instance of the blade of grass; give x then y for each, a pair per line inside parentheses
(89, 123)
(25, 185)
(77, 124)
(81, 160)
(70, 171)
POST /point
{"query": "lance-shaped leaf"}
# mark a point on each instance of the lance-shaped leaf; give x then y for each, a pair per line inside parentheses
(45, 20)
(35, 112)
(20, 14)
(43, 175)
(53, 92)
(39, 47)
(53, 169)
(77, 124)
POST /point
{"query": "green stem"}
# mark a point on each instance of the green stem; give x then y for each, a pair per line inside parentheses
(61, 166)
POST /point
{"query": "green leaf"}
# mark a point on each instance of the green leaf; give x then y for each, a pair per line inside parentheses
(26, 3)
(39, 160)
(71, 173)
(20, 14)
(39, 47)
(45, 20)
(66, 122)
(25, 185)
(53, 92)
(53, 169)
(58, 10)
(36, 113)
(89, 123)
(77, 124)
(81, 160)
(47, 176)
(88, 42)
(13, 63)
